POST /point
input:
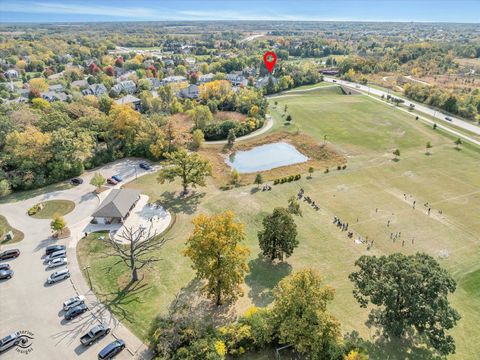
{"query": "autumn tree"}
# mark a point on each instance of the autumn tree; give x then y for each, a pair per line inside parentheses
(135, 247)
(197, 138)
(294, 206)
(400, 306)
(38, 84)
(301, 318)
(58, 224)
(191, 168)
(279, 235)
(217, 254)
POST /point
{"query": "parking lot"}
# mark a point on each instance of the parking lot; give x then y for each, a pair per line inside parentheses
(29, 304)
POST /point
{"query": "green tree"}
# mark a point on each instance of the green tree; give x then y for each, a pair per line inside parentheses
(231, 137)
(396, 153)
(310, 171)
(5, 187)
(294, 206)
(289, 118)
(201, 116)
(457, 143)
(197, 138)
(258, 179)
(58, 224)
(105, 103)
(235, 177)
(192, 169)
(97, 180)
(301, 317)
(403, 307)
(217, 254)
(428, 146)
(279, 235)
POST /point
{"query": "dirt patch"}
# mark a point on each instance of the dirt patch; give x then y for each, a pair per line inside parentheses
(321, 156)
(229, 115)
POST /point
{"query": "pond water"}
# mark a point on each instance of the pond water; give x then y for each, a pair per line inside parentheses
(265, 157)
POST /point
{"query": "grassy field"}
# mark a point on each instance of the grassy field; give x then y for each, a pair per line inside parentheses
(54, 207)
(370, 192)
(5, 228)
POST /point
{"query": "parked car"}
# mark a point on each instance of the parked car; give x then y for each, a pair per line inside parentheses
(10, 340)
(112, 181)
(6, 274)
(58, 276)
(72, 302)
(10, 254)
(94, 334)
(75, 311)
(57, 262)
(76, 181)
(117, 178)
(145, 166)
(54, 248)
(4, 266)
(56, 255)
(111, 349)
(448, 118)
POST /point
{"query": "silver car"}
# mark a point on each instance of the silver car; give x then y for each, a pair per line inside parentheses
(74, 301)
(58, 276)
(8, 341)
(56, 255)
(57, 262)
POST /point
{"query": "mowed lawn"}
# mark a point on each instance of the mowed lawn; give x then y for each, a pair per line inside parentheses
(370, 192)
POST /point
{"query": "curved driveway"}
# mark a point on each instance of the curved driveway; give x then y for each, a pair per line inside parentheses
(28, 304)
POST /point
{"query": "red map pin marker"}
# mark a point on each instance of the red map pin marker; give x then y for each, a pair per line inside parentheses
(270, 58)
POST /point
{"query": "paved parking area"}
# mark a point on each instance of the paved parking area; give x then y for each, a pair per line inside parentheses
(28, 304)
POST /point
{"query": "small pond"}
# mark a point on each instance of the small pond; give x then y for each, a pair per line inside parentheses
(265, 157)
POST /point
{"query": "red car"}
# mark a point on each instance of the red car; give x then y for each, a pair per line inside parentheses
(112, 181)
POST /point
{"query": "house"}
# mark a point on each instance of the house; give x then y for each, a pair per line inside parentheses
(23, 93)
(51, 96)
(155, 83)
(202, 79)
(56, 88)
(126, 75)
(56, 76)
(262, 82)
(173, 79)
(168, 62)
(190, 92)
(11, 74)
(237, 79)
(116, 207)
(95, 89)
(128, 86)
(329, 71)
(250, 71)
(190, 62)
(130, 100)
(80, 84)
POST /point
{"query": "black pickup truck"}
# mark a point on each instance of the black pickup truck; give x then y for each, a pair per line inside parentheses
(94, 334)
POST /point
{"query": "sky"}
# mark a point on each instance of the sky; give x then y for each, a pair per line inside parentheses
(295, 10)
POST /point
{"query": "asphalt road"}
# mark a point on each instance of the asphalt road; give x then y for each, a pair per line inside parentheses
(28, 304)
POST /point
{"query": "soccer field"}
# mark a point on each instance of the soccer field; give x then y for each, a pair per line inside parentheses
(374, 195)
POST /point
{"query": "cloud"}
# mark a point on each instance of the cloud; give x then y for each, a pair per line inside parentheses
(57, 8)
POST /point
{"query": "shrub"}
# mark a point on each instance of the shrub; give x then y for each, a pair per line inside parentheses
(298, 177)
(327, 170)
(339, 167)
(276, 181)
(34, 209)
(344, 167)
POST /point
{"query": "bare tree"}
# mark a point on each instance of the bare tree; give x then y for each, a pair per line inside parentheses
(134, 247)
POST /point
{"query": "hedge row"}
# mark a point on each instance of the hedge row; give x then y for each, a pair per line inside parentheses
(287, 179)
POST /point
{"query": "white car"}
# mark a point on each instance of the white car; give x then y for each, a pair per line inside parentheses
(58, 275)
(74, 301)
(57, 262)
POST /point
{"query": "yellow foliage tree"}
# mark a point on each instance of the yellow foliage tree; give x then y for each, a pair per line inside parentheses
(38, 84)
(217, 254)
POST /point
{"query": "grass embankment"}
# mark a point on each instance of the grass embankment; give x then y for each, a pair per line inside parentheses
(5, 228)
(54, 207)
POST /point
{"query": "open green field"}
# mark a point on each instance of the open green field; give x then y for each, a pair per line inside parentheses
(54, 207)
(370, 192)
